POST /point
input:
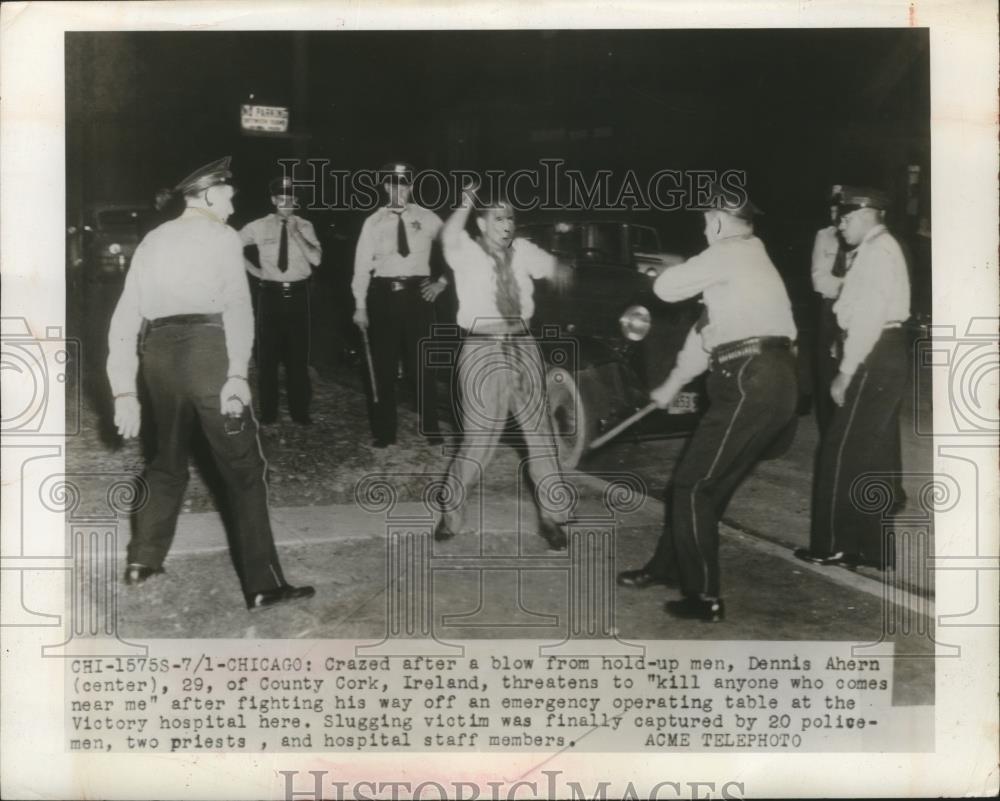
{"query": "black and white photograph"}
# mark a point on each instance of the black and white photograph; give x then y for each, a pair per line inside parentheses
(588, 387)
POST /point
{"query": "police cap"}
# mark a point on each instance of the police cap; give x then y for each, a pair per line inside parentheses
(397, 171)
(282, 186)
(850, 198)
(732, 201)
(205, 177)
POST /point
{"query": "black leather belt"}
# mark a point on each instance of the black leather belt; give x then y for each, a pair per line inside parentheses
(186, 319)
(751, 346)
(399, 283)
(286, 288)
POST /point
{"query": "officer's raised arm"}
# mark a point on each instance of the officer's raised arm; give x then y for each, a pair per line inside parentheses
(691, 278)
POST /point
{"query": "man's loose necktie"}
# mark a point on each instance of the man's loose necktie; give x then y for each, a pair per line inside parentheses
(283, 247)
(401, 244)
(508, 293)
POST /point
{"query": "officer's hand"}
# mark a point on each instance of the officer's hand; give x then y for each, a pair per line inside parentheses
(235, 395)
(664, 394)
(838, 389)
(361, 319)
(128, 416)
(827, 238)
(429, 290)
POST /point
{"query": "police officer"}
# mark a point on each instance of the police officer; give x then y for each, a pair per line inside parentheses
(827, 270)
(187, 291)
(868, 389)
(746, 335)
(288, 250)
(500, 368)
(394, 296)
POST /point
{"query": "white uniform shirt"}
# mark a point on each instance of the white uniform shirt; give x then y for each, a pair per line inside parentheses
(740, 287)
(475, 277)
(377, 250)
(265, 233)
(191, 265)
(875, 294)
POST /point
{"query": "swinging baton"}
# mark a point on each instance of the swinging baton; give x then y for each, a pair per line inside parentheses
(614, 432)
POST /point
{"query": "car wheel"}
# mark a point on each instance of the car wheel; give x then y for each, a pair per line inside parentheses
(573, 422)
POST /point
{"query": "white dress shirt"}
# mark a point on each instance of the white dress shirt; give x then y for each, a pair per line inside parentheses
(190, 265)
(740, 287)
(475, 277)
(265, 233)
(377, 252)
(876, 294)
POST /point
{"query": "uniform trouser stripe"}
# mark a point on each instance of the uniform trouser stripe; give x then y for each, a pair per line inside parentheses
(749, 407)
(840, 459)
(711, 471)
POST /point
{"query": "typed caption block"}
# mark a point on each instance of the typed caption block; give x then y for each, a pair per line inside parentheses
(692, 696)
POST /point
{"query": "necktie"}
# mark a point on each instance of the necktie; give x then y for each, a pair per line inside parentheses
(401, 244)
(840, 263)
(508, 294)
(283, 247)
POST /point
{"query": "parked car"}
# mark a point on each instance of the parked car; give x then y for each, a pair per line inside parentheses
(625, 339)
(103, 242)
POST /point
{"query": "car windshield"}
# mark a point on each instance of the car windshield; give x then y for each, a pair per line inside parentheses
(561, 239)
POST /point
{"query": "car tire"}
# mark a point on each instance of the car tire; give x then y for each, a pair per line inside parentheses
(573, 420)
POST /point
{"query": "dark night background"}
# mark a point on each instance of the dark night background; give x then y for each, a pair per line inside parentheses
(798, 110)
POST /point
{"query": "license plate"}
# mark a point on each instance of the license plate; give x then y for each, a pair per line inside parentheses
(684, 403)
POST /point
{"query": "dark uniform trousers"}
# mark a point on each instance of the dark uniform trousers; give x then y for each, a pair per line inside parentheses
(752, 400)
(184, 367)
(399, 319)
(283, 338)
(827, 337)
(500, 377)
(863, 438)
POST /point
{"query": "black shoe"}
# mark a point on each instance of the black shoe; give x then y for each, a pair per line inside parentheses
(641, 578)
(553, 534)
(711, 610)
(279, 595)
(838, 559)
(443, 532)
(268, 420)
(304, 420)
(136, 573)
(379, 442)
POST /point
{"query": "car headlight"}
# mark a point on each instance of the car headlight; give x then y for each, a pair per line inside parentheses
(114, 248)
(635, 323)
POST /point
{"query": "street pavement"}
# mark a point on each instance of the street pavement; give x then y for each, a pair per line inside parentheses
(377, 571)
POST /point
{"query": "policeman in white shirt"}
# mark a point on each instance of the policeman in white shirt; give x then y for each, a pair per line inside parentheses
(500, 367)
(827, 270)
(868, 390)
(745, 339)
(288, 251)
(394, 296)
(185, 315)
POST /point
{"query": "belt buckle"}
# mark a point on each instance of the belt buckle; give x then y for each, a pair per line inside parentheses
(286, 290)
(396, 285)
